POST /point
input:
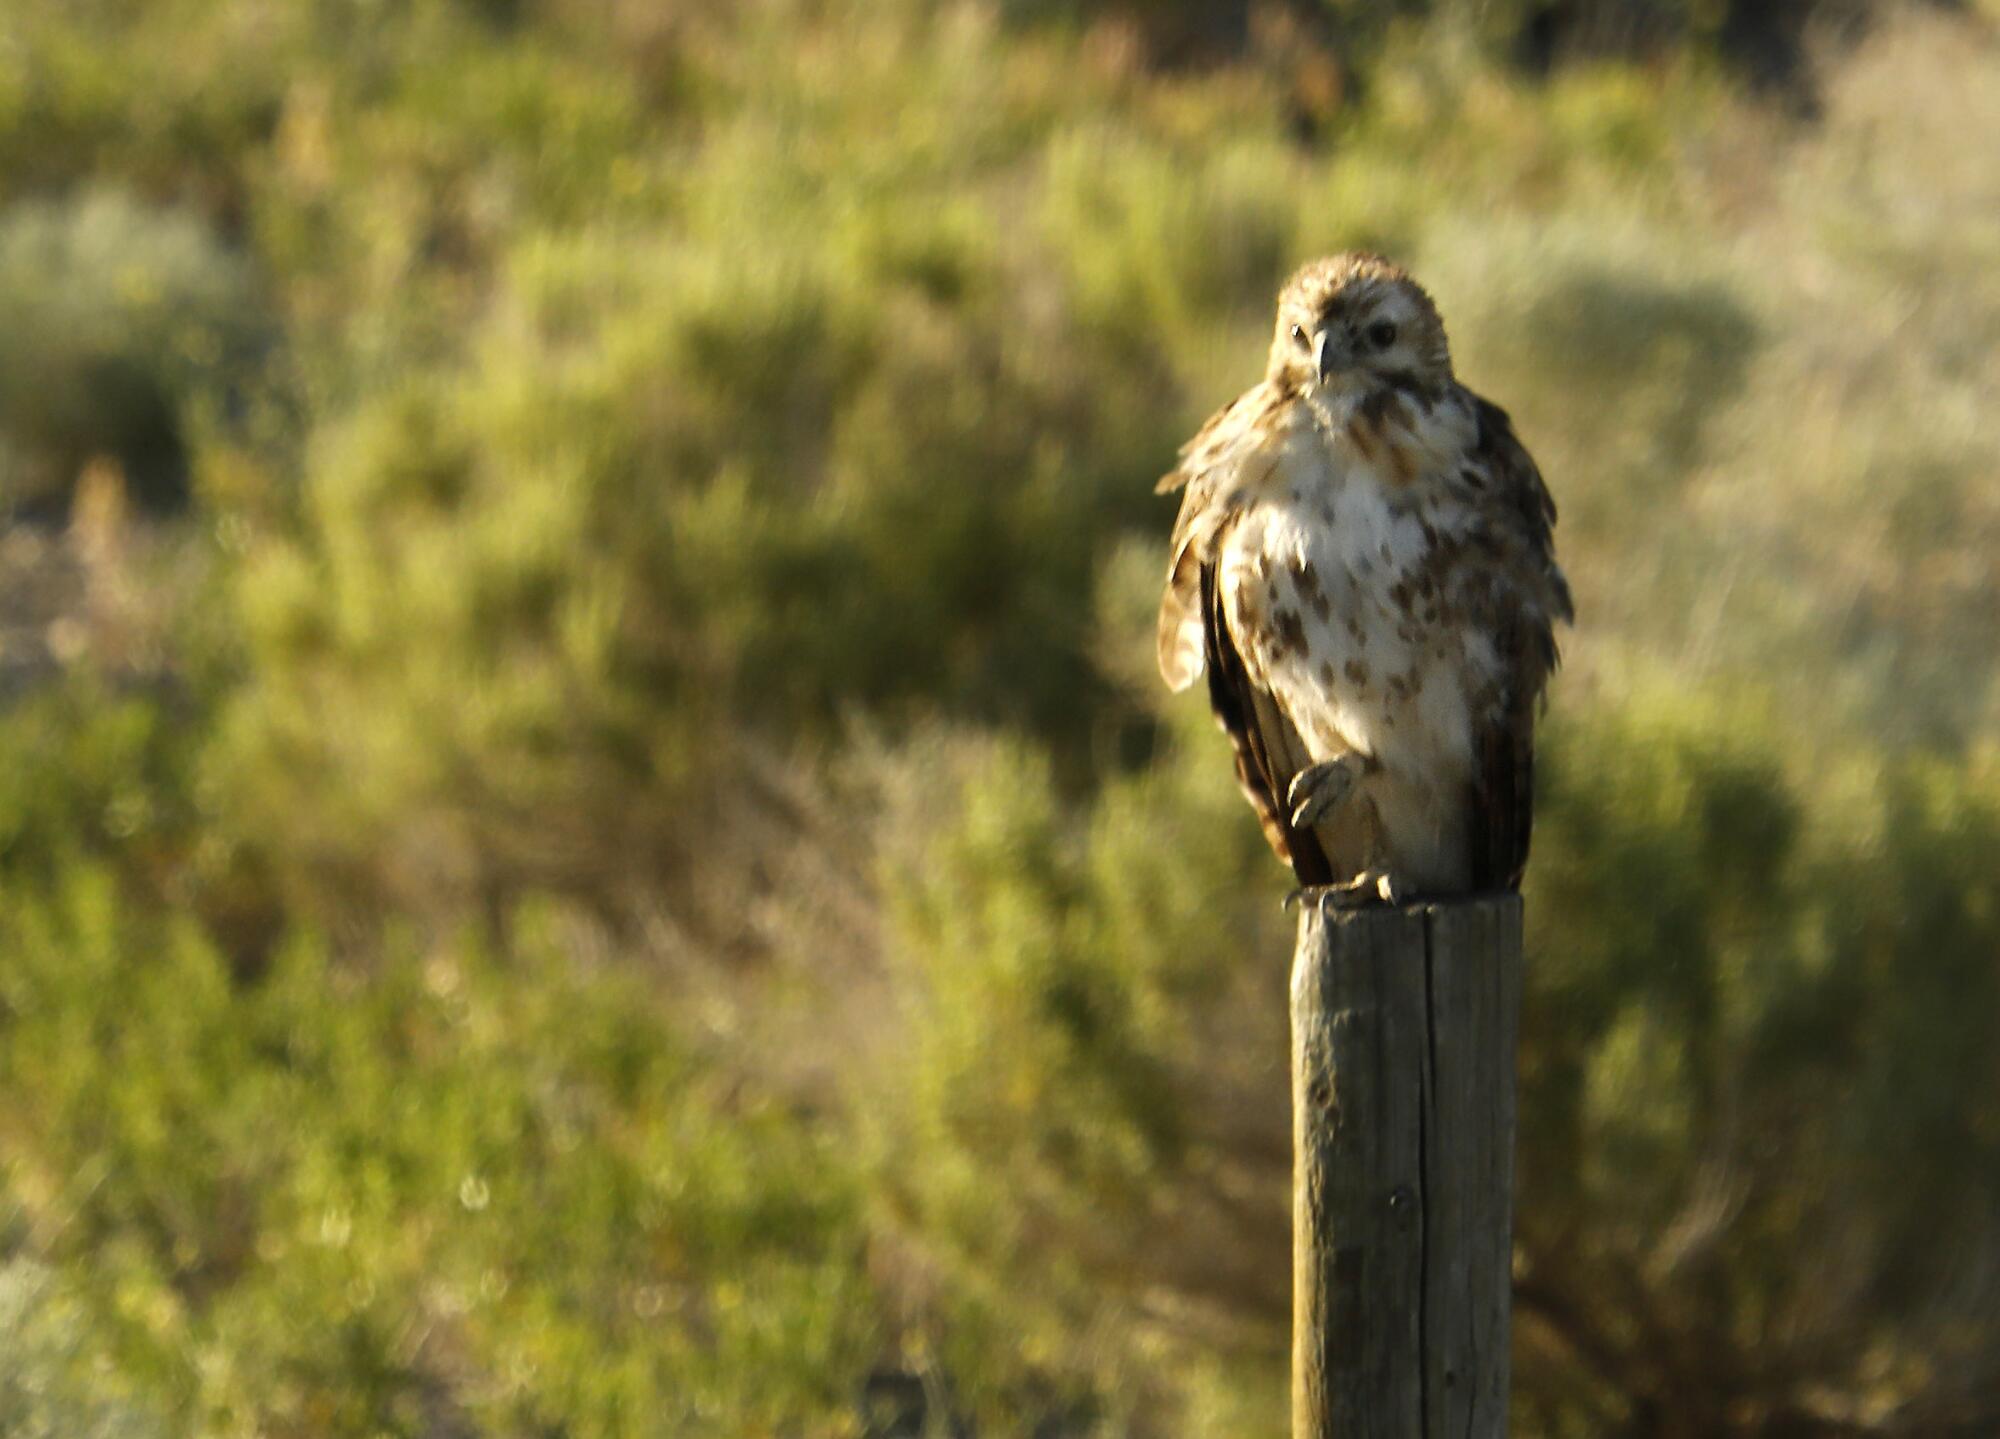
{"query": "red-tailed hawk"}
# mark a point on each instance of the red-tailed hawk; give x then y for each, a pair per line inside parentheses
(1363, 565)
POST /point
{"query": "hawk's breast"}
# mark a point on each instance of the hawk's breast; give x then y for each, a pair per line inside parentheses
(1340, 581)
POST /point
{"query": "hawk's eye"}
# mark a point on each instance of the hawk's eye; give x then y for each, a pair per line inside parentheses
(1299, 336)
(1381, 334)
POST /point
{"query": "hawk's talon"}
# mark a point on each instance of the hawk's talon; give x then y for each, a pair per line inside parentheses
(1370, 887)
(1318, 788)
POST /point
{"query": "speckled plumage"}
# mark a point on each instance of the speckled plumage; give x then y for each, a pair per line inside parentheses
(1363, 566)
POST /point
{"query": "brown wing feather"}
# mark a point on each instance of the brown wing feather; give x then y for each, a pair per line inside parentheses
(1210, 467)
(1503, 797)
(1503, 801)
(1256, 732)
(1226, 459)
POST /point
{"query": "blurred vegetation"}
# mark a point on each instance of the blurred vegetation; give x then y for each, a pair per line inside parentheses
(588, 842)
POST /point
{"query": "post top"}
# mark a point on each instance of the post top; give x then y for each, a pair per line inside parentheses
(1496, 902)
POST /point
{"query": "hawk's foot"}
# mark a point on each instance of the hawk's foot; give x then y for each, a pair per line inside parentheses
(1319, 788)
(1370, 887)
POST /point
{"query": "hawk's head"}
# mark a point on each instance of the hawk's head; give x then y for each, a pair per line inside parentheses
(1354, 321)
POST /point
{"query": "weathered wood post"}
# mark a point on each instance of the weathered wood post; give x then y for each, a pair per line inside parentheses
(1404, 1026)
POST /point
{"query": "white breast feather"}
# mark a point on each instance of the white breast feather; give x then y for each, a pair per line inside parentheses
(1319, 556)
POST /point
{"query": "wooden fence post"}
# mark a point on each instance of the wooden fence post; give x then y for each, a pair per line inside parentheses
(1404, 1028)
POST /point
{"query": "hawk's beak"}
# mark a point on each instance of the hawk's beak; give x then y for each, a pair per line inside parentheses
(1326, 358)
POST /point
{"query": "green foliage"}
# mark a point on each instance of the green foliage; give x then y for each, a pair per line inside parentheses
(1053, 982)
(1736, 978)
(457, 1188)
(54, 1382)
(870, 493)
(85, 774)
(652, 888)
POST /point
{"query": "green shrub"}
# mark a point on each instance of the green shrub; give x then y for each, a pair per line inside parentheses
(56, 1381)
(457, 1188)
(654, 889)
(806, 491)
(1743, 1000)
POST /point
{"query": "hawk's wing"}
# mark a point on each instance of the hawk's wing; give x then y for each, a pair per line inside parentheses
(1268, 749)
(1228, 456)
(1523, 518)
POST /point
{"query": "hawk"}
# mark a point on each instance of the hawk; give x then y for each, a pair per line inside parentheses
(1364, 566)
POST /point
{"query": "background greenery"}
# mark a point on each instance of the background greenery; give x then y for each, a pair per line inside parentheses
(588, 843)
